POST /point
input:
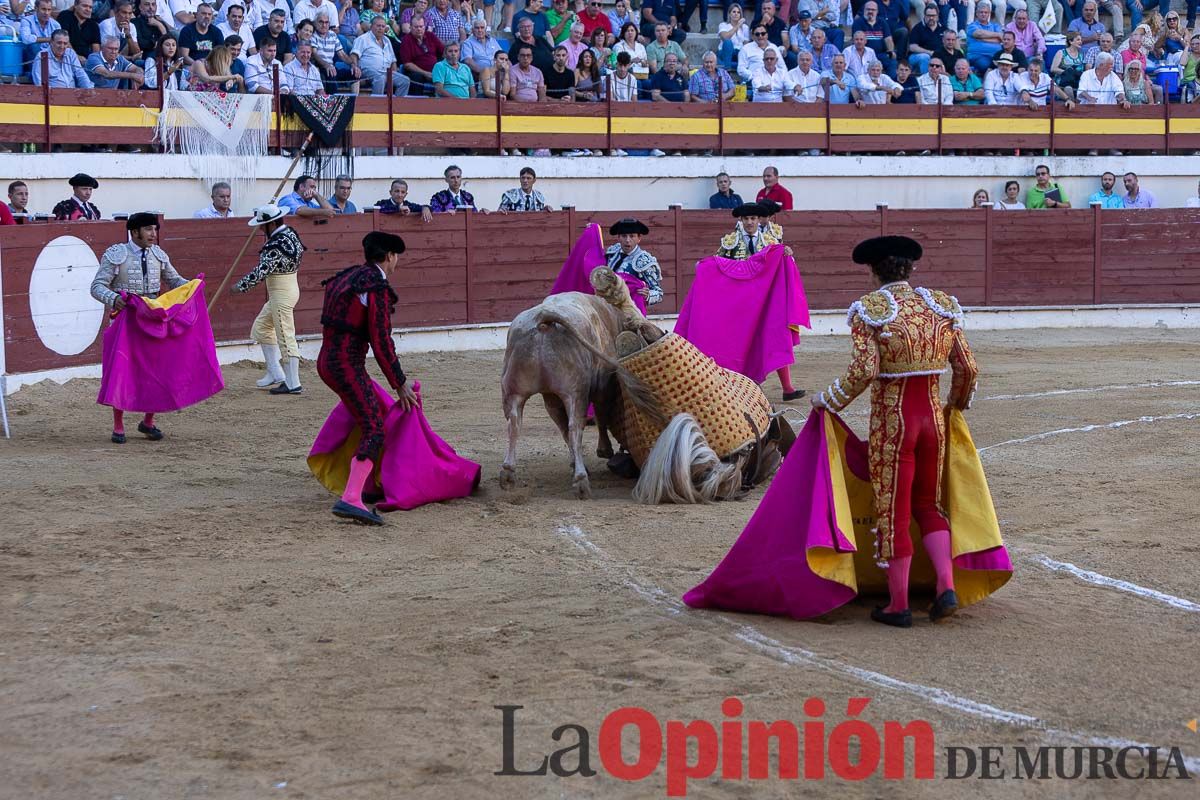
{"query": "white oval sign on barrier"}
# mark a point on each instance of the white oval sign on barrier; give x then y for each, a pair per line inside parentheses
(65, 315)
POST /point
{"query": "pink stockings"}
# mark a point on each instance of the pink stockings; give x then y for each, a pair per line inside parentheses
(119, 420)
(937, 545)
(360, 471)
(785, 378)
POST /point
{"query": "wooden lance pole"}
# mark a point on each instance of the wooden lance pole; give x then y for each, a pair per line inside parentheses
(278, 190)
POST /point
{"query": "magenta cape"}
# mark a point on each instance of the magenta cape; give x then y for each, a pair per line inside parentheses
(798, 557)
(585, 256)
(417, 466)
(159, 355)
(746, 315)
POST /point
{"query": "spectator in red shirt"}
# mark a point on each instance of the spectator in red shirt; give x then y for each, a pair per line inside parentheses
(593, 18)
(420, 50)
(772, 190)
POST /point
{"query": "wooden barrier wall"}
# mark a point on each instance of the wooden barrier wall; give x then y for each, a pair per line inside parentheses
(73, 116)
(471, 268)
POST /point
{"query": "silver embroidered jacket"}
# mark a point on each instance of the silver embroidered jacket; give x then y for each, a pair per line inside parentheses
(279, 256)
(122, 269)
(640, 265)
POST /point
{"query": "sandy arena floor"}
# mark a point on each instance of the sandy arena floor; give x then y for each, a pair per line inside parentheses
(185, 619)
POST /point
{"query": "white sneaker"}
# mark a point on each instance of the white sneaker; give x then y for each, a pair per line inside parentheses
(618, 152)
(814, 152)
(585, 152)
(573, 153)
(657, 153)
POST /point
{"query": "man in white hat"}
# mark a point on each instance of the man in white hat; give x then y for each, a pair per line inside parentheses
(278, 264)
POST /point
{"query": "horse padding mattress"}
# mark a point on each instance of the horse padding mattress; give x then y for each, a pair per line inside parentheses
(684, 380)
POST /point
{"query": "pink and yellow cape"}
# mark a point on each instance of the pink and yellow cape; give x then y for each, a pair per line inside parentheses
(808, 549)
(159, 354)
(416, 467)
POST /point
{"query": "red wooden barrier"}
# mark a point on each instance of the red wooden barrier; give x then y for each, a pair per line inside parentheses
(470, 268)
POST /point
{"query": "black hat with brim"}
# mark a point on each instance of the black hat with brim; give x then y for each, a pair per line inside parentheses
(748, 210)
(142, 219)
(82, 179)
(628, 225)
(873, 251)
(387, 242)
(769, 207)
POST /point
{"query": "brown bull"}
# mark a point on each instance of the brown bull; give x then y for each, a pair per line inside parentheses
(554, 349)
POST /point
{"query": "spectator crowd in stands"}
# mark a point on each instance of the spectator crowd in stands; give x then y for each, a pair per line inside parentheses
(860, 52)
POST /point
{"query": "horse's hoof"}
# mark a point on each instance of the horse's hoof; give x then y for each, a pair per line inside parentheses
(583, 489)
(604, 452)
(508, 477)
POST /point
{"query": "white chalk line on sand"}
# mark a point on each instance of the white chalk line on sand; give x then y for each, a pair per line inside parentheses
(1115, 583)
(1092, 389)
(798, 656)
(1088, 428)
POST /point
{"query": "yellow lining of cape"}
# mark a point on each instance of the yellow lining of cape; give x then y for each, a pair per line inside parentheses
(968, 506)
(177, 296)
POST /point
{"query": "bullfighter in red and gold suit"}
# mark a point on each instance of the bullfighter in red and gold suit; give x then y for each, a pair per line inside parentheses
(903, 338)
(357, 314)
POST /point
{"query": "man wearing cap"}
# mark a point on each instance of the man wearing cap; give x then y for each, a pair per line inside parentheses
(357, 314)
(902, 339)
(747, 238)
(278, 264)
(766, 220)
(138, 266)
(78, 205)
(628, 257)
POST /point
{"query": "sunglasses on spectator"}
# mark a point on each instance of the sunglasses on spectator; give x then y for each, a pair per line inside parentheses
(760, 33)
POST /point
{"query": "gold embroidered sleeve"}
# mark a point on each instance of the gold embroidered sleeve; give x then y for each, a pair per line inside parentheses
(864, 366)
(962, 364)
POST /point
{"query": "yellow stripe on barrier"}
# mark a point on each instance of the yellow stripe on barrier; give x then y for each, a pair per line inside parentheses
(101, 116)
(556, 124)
(369, 123)
(1108, 127)
(443, 123)
(665, 125)
(22, 114)
(882, 127)
(1185, 125)
(995, 126)
(775, 125)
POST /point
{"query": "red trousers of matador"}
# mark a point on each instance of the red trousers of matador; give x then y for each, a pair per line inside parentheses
(342, 365)
(907, 449)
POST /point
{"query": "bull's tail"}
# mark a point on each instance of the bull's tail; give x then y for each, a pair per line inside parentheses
(638, 392)
(682, 468)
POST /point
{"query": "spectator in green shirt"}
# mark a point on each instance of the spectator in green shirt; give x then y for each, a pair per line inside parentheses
(968, 89)
(656, 51)
(1106, 197)
(559, 19)
(451, 77)
(1036, 196)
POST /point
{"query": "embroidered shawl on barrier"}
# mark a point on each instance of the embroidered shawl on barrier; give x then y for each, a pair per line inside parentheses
(328, 116)
(223, 135)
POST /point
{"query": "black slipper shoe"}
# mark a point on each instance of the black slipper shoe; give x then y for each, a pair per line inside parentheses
(796, 395)
(283, 389)
(945, 606)
(897, 619)
(118, 438)
(360, 515)
(151, 431)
